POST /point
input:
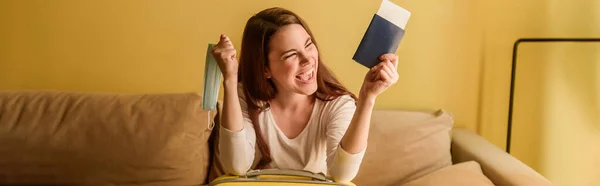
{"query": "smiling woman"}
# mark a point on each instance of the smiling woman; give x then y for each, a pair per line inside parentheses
(289, 105)
(306, 75)
(293, 61)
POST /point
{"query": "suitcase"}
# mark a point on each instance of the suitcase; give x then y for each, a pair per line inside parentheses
(272, 177)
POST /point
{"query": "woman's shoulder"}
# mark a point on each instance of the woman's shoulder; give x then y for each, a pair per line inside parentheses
(341, 101)
(344, 98)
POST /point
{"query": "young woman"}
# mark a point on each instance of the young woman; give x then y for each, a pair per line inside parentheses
(283, 103)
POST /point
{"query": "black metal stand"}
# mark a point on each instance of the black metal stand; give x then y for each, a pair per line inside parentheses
(514, 70)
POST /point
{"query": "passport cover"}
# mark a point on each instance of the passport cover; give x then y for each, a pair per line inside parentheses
(383, 35)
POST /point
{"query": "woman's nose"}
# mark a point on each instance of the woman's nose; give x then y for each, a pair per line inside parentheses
(304, 59)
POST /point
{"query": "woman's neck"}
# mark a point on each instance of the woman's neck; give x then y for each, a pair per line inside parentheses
(292, 101)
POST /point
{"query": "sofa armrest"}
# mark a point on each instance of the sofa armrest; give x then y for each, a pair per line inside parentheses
(499, 166)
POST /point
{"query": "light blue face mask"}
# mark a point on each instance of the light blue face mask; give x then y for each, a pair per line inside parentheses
(212, 80)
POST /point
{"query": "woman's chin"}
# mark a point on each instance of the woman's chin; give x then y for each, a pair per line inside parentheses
(311, 90)
(307, 89)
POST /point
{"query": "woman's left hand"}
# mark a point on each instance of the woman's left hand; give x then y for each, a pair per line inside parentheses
(380, 77)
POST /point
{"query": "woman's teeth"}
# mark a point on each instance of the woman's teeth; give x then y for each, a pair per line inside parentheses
(305, 76)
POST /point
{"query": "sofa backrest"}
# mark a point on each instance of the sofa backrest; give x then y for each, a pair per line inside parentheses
(57, 138)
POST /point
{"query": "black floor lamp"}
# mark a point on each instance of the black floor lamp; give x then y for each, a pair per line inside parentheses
(514, 70)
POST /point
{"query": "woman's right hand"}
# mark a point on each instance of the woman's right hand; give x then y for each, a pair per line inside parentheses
(225, 54)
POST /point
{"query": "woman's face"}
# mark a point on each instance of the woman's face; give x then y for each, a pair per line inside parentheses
(293, 60)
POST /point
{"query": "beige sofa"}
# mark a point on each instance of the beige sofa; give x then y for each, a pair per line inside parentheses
(67, 138)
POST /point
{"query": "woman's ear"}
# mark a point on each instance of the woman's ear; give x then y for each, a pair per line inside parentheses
(267, 73)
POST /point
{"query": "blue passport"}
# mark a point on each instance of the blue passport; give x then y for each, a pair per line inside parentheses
(383, 34)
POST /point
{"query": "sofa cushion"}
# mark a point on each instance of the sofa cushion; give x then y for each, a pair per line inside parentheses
(466, 173)
(405, 145)
(53, 138)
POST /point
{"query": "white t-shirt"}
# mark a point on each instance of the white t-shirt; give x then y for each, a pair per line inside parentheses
(315, 149)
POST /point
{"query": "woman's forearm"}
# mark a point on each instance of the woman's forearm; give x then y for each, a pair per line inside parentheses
(355, 138)
(232, 118)
(235, 142)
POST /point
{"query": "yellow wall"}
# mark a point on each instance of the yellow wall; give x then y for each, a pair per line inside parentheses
(506, 21)
(556, 125)
(159, 46)
(571, 136)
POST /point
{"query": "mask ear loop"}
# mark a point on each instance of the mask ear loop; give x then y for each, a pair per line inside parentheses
(211, 122)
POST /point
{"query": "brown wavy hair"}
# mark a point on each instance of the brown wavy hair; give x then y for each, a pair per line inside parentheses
(254, 61)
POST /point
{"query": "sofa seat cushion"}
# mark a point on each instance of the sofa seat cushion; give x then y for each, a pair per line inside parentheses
(466, 173)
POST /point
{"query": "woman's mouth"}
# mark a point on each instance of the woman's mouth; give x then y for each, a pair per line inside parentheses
(306, 77)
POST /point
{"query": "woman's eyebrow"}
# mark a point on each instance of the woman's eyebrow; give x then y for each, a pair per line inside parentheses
(307, 41)
(287, 51)
(291, 50)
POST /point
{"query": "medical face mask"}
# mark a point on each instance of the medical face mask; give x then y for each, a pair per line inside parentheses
(212, 80)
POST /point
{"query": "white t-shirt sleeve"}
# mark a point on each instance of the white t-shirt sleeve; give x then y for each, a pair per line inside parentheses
(236, 148)
(341, 165)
